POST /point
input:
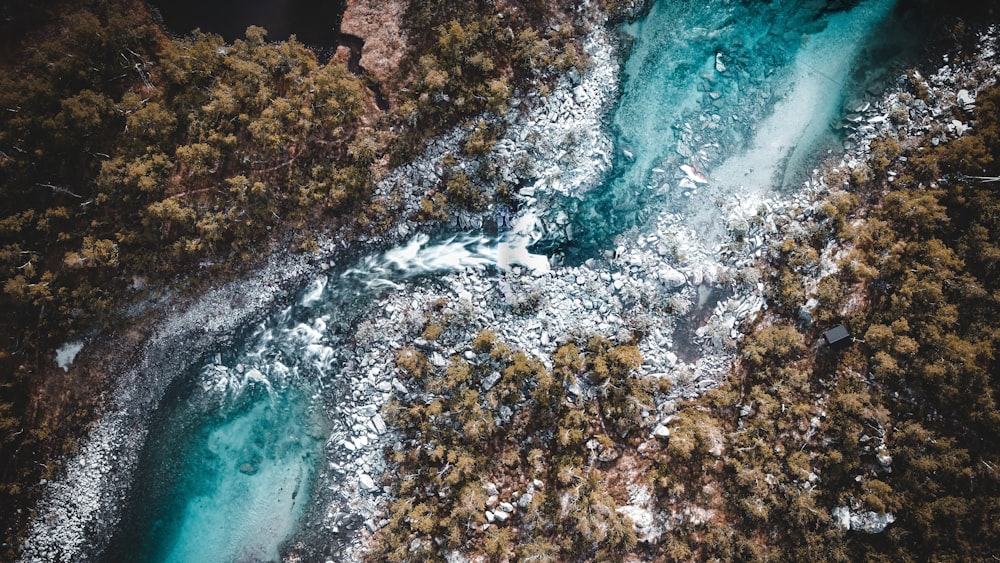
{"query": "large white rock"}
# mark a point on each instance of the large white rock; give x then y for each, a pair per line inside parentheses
(672, 278)
(965, 99)
(868, 521)
(367, 483)
(841, 518)
(871, 522)
(67, 353)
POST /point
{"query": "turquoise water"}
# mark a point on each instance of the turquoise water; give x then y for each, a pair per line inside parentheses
(724, 97)
(230, 463)
(718, 97)
(222, 480)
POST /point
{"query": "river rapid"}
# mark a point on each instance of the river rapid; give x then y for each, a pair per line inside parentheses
(271, 441)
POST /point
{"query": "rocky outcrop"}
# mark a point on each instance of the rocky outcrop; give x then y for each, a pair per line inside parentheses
(379, 24)
(861, 521)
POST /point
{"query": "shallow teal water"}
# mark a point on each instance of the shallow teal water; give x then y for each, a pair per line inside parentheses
(222, 480)
(698, 87)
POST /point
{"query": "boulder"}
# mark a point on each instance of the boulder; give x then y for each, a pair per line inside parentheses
(871, 522)
(672, 278)
(964, 99)
(367, 483)
(379, 24)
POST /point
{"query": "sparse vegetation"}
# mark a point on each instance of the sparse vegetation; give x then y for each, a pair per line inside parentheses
(546, 454)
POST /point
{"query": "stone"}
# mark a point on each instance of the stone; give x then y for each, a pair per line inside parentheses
(367, 483)
(868, 522)
(672, 278)
(720, 66)
(505, 413)
(694, 174)
(380, 24)
(884, 458)
(491, 380)
(575, 78)
(67, 353)
(670, 358)
(885, 461)
(871, 522)
(964, 99)
(378, 423)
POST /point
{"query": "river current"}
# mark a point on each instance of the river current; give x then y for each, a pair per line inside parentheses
(718, 99)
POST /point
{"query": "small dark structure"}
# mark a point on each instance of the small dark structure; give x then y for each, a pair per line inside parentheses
(837, 338)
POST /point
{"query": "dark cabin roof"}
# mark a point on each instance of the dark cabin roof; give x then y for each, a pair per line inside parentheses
(838, 338)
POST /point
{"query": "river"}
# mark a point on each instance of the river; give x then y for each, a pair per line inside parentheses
(270, 443)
